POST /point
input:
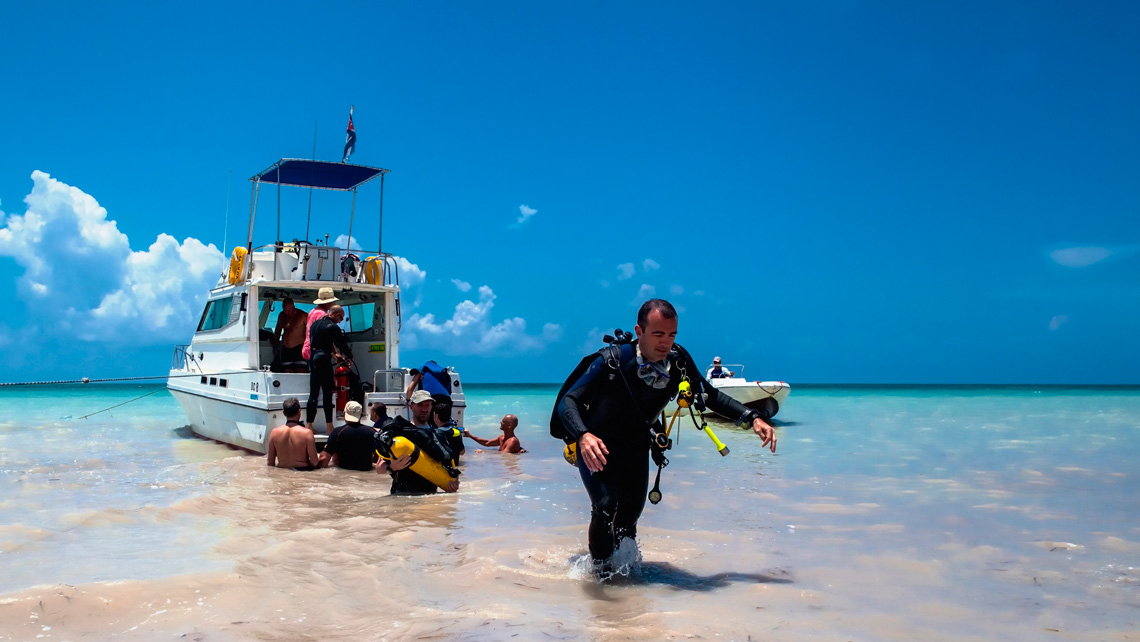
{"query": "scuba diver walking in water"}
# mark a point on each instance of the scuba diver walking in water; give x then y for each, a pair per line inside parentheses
(609, 410)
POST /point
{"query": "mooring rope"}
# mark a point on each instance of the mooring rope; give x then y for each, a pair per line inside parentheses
(121, 404)
(115, 379)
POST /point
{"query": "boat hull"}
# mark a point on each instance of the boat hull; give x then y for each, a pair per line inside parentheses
(238, 425)
(758, 395)
(241, 414)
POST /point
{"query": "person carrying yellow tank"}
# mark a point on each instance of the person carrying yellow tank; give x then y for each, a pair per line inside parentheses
(413, 454)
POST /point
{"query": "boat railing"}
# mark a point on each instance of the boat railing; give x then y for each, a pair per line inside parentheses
(390, 380)
(182, 358)
(736, 368)
(304, 261)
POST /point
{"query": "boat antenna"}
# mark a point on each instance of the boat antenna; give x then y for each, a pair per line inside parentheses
(380, 232)
(278, 239)
(226, 230)
(309, 216)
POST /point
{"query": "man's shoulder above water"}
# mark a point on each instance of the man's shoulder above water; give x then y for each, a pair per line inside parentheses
(354, 430)
(287, 429)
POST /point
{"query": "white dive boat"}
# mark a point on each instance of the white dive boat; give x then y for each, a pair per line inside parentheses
(754, 394)
(224, 378)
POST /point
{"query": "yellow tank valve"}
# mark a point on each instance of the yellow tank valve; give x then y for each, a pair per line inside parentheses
(684, 394)
(570, 454)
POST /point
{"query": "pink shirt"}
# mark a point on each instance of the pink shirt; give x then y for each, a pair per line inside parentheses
(314, 314)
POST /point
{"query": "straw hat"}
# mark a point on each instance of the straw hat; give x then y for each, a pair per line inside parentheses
(325, 295)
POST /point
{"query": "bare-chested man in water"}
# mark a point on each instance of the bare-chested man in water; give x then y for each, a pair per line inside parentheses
(507, 442)
(292, 445)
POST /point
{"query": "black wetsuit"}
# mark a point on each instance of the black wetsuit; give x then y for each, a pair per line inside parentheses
(323, 335)
(353, 445)
(454, 442)
(406, 481)
(600, 403)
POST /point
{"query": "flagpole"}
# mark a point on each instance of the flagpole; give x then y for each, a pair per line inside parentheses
(380, 233)
(351, 216)
(349, 148)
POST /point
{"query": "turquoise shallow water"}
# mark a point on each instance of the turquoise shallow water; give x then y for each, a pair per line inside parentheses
(887, 513)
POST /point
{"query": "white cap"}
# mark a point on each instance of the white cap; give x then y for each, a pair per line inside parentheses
(353, 411)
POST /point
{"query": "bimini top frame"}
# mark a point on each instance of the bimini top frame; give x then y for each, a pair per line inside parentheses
(315, 174)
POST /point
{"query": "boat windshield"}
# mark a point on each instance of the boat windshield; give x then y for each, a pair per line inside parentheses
(363, 320)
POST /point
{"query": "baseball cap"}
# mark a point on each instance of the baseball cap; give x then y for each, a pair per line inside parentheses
(353, 411)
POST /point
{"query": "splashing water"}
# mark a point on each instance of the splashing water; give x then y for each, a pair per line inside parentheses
(624, 565)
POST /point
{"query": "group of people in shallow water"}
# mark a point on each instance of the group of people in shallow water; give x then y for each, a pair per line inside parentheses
(608, 411)
(352, 446)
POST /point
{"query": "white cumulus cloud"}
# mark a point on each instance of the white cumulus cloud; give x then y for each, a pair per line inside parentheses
(348, 242)
(462, 285)
(410, 277)
(1056, 322)
(1077, 257)
(649, 264)
(471, 331)
(410, 273)
(592, 342)
(525, 213)
(84, 281)
(646, 292)
(625, 271)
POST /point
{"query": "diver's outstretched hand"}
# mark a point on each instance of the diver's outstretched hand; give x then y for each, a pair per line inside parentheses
(592, 451)
(765, 432)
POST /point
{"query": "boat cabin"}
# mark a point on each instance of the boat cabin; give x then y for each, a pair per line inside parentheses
(233, 378)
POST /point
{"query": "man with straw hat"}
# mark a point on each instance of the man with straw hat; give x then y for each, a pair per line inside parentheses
(320, 367)
(325, 298)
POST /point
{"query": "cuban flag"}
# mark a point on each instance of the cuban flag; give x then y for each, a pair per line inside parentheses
(349, 139)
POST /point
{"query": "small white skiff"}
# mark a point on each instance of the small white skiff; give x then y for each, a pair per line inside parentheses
(760, 395)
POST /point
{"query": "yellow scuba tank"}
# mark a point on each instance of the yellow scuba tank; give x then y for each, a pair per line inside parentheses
(237, 265)
(422, 464)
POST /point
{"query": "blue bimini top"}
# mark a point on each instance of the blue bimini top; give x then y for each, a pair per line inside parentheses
(318, 174)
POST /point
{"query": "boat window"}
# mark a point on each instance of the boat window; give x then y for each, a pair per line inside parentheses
(363, 312)
(216, 314)
(358, 318)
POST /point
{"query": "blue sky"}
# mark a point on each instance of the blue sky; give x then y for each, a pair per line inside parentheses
(839, 192)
